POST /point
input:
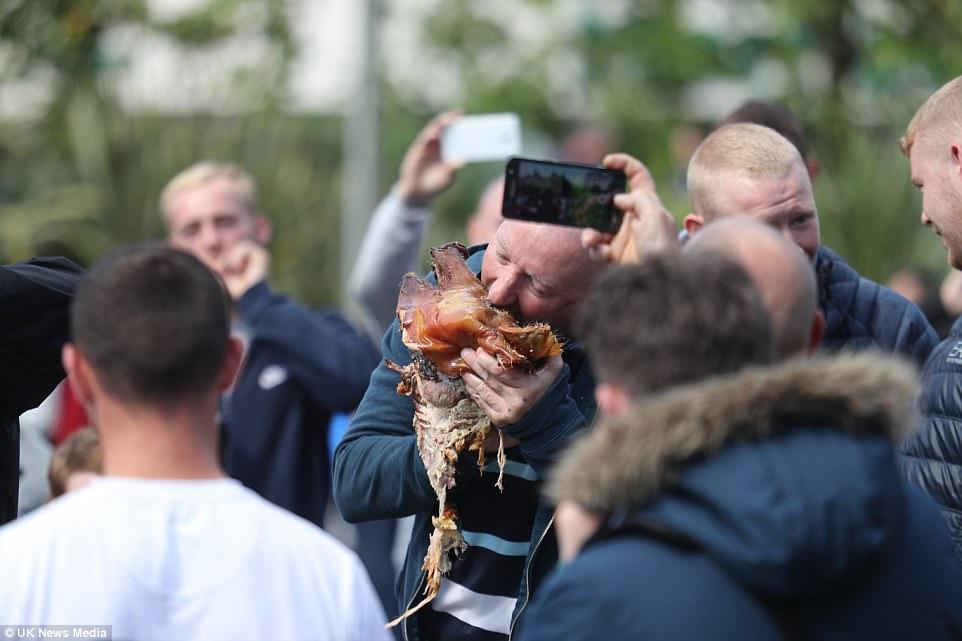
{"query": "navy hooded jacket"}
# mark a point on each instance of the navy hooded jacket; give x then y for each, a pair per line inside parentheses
(784, 479)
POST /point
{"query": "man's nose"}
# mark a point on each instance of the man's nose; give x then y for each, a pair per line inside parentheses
(210, 239)
(925, 219)
(786, 232)
(503, 291)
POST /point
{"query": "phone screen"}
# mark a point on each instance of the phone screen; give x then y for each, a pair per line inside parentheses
(562, 193)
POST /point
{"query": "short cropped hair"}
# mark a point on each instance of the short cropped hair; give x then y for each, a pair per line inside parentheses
(742, 149)
(941, 112)
(774, 116)
(674, 319)
(204, 172)
(154, 323)
(80, 452)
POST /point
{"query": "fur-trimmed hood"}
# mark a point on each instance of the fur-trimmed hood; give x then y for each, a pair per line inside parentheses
(784, 475)
(624, 460)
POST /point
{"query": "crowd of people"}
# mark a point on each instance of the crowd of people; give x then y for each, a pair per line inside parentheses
(743, 438)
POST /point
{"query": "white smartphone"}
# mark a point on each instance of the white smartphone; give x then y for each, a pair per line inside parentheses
(480, 138)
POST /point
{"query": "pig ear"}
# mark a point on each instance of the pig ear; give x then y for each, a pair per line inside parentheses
(450, 268)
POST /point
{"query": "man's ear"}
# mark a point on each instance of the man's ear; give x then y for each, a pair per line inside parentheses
(263, 230)
(814, 167)
(233, 357)
(955, 153)
(79, 374)
(612, 399)
(693, 224)
(817, 332)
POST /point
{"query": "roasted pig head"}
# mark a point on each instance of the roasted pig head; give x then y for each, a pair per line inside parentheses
(439, 321)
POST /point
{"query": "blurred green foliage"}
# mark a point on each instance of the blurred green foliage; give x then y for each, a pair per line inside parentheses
(853, 70)
(82, 174)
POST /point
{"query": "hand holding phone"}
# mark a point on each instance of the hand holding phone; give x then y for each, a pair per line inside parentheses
(482, 137)
(563, 193)
(647, 227)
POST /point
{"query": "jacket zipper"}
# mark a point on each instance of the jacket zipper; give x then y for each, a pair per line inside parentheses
(527, 577)
(417, 591)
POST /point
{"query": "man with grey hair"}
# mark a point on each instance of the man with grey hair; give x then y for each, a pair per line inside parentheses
(301, 365)
(932, 457)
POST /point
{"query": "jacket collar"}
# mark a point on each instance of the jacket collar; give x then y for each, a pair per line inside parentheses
(625, 460)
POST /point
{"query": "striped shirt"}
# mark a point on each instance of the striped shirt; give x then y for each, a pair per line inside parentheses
(477, 597)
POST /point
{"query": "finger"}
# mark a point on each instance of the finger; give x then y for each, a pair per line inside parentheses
(434, 128)
(470, 358)
(616, 161)
(233, 261)
(624, 202)
(600, 253)
(637, 173)
(482, 363)
(592, 237)
(615, 248)
(479, 391)
(435, 125)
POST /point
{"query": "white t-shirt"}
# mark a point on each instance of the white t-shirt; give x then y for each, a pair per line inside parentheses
(164, 560)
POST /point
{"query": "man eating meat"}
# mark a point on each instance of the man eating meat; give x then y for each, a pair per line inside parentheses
(539, 273)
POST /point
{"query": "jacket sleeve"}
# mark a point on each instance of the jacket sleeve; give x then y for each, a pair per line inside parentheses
(390, 249)
(548, 428)
(35, 301)
(912, 334)
(378, 473)
(931, 458)
(323, 352)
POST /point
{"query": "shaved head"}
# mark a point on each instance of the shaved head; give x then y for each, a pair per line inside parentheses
(742, 150)
(939, 117)
(539, 272)
(780, 270)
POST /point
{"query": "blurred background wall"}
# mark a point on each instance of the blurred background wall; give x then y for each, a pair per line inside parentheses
(102, 101)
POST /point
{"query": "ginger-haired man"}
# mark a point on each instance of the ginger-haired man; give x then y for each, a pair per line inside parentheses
(933, 456)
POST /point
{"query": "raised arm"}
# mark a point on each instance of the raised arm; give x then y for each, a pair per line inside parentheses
(392, 242)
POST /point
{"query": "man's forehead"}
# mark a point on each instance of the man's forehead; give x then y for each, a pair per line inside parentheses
(738, 191)
(549, 252)
(220, 195)
(538, 243)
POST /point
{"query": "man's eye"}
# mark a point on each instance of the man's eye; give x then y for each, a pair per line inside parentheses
(539, 291)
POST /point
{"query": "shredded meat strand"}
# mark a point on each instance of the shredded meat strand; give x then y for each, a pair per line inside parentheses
(437, 322)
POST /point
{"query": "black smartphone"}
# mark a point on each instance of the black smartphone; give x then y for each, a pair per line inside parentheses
(562, 193)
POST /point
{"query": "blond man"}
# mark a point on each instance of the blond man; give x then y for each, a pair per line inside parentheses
(933, 456)
(750, 170)
(301, 365)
